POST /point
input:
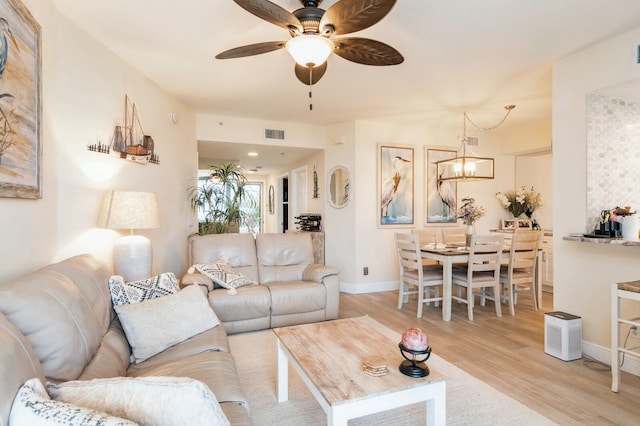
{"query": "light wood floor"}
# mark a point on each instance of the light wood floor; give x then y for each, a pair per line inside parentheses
(508, 353)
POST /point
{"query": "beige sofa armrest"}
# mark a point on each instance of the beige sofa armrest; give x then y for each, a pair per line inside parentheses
(197, 278)
(317, 272)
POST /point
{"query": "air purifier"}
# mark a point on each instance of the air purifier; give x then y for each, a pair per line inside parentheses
(563, 335)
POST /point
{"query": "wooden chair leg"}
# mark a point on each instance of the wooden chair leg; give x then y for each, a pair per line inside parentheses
(470, 297)
(534, 297)
(421, 290)
(496, 289)
(510, 289)
(401, 292)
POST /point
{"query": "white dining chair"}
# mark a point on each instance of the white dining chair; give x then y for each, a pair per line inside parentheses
(416, 278)
(454, 235)
(519, 275)
(481, 272)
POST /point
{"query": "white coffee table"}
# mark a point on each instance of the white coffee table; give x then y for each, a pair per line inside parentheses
(328, 357)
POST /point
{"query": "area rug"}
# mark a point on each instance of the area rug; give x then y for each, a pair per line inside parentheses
(469, 400)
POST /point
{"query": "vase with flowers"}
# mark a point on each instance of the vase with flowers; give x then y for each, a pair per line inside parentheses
(523, 201)
(469, 212)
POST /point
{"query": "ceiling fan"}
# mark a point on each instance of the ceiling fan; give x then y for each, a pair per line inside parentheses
(312, 32)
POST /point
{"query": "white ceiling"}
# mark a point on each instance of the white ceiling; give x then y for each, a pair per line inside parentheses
(460, 55)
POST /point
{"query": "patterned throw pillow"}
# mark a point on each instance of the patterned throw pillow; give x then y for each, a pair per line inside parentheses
(126, 293)
(32, 406)
(224, 275)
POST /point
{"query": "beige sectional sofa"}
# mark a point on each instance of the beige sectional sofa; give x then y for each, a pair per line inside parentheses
(58, 324)
(291, 288)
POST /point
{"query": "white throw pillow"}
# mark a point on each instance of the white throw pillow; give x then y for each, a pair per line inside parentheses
(157, 401)
(224, 275)
(33, 407)
(125, 293)
(157, 324)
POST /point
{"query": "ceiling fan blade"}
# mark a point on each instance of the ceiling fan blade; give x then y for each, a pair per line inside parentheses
(271, 12)
(367, 52)
(349, 16)
(317, 72)
(251, 49)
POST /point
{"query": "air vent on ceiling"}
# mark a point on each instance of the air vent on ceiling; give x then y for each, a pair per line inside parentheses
(472, 141)
(274, 134)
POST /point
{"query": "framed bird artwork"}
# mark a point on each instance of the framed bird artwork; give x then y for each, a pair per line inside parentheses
(20, 102)
(440, 196)
(395, 185)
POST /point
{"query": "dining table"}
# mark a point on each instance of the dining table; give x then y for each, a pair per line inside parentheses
(449, 254)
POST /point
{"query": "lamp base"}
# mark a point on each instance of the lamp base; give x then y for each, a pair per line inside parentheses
(132, 257)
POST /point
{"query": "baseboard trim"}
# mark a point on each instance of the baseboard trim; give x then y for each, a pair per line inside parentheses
(369, 287)
(603, 354)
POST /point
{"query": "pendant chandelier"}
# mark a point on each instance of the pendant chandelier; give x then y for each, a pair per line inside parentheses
(466, 165)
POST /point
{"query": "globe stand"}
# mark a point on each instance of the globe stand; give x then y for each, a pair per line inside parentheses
(414, 367)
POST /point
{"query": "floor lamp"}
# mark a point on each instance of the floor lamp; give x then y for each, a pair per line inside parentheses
(132, 255)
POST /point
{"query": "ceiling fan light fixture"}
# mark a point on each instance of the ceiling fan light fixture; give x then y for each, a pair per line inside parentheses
(310, 50)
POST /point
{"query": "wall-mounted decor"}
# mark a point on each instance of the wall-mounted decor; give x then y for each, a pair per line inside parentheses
(395, 185)
(271, 199)
(129, 141)
(315, 180)
(20, 102)
(338, 183)
(440, 195)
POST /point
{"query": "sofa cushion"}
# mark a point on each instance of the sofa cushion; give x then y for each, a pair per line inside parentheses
(238, 249)
(154, 325)
(33, 407)
(89, 275)
(112, 357)
(252, 301)
(18, 363)
(67, 337)
(217, 370)
(126, 293)
(212, 340)
(224, 275)
(283, 257)
(158, 401)
(296, 297)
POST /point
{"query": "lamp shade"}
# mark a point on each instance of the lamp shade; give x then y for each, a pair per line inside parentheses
(310, 50)
(129, 210)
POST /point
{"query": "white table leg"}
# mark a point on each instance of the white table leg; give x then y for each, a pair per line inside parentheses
(615, 338)
(447, 288)
(437, 406)
(335, 419)
(283, 375)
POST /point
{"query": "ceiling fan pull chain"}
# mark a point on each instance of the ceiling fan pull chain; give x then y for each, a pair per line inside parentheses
(310, 86)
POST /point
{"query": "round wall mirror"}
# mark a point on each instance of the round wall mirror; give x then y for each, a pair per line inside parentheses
(338, 187)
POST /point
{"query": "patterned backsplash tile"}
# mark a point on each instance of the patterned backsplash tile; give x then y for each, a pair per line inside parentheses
(613, 155)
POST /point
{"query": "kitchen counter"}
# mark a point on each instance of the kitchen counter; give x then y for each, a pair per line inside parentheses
(602, 241)
(545, 232)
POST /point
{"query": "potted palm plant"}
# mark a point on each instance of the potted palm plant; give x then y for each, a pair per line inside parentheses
(218, 197)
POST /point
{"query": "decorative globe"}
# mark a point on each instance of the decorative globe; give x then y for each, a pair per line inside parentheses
(414, 339)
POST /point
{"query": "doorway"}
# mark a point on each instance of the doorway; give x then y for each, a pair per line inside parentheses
(283, 195)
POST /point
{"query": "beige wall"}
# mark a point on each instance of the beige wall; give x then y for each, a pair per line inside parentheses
(583, 273)
(83, 99)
